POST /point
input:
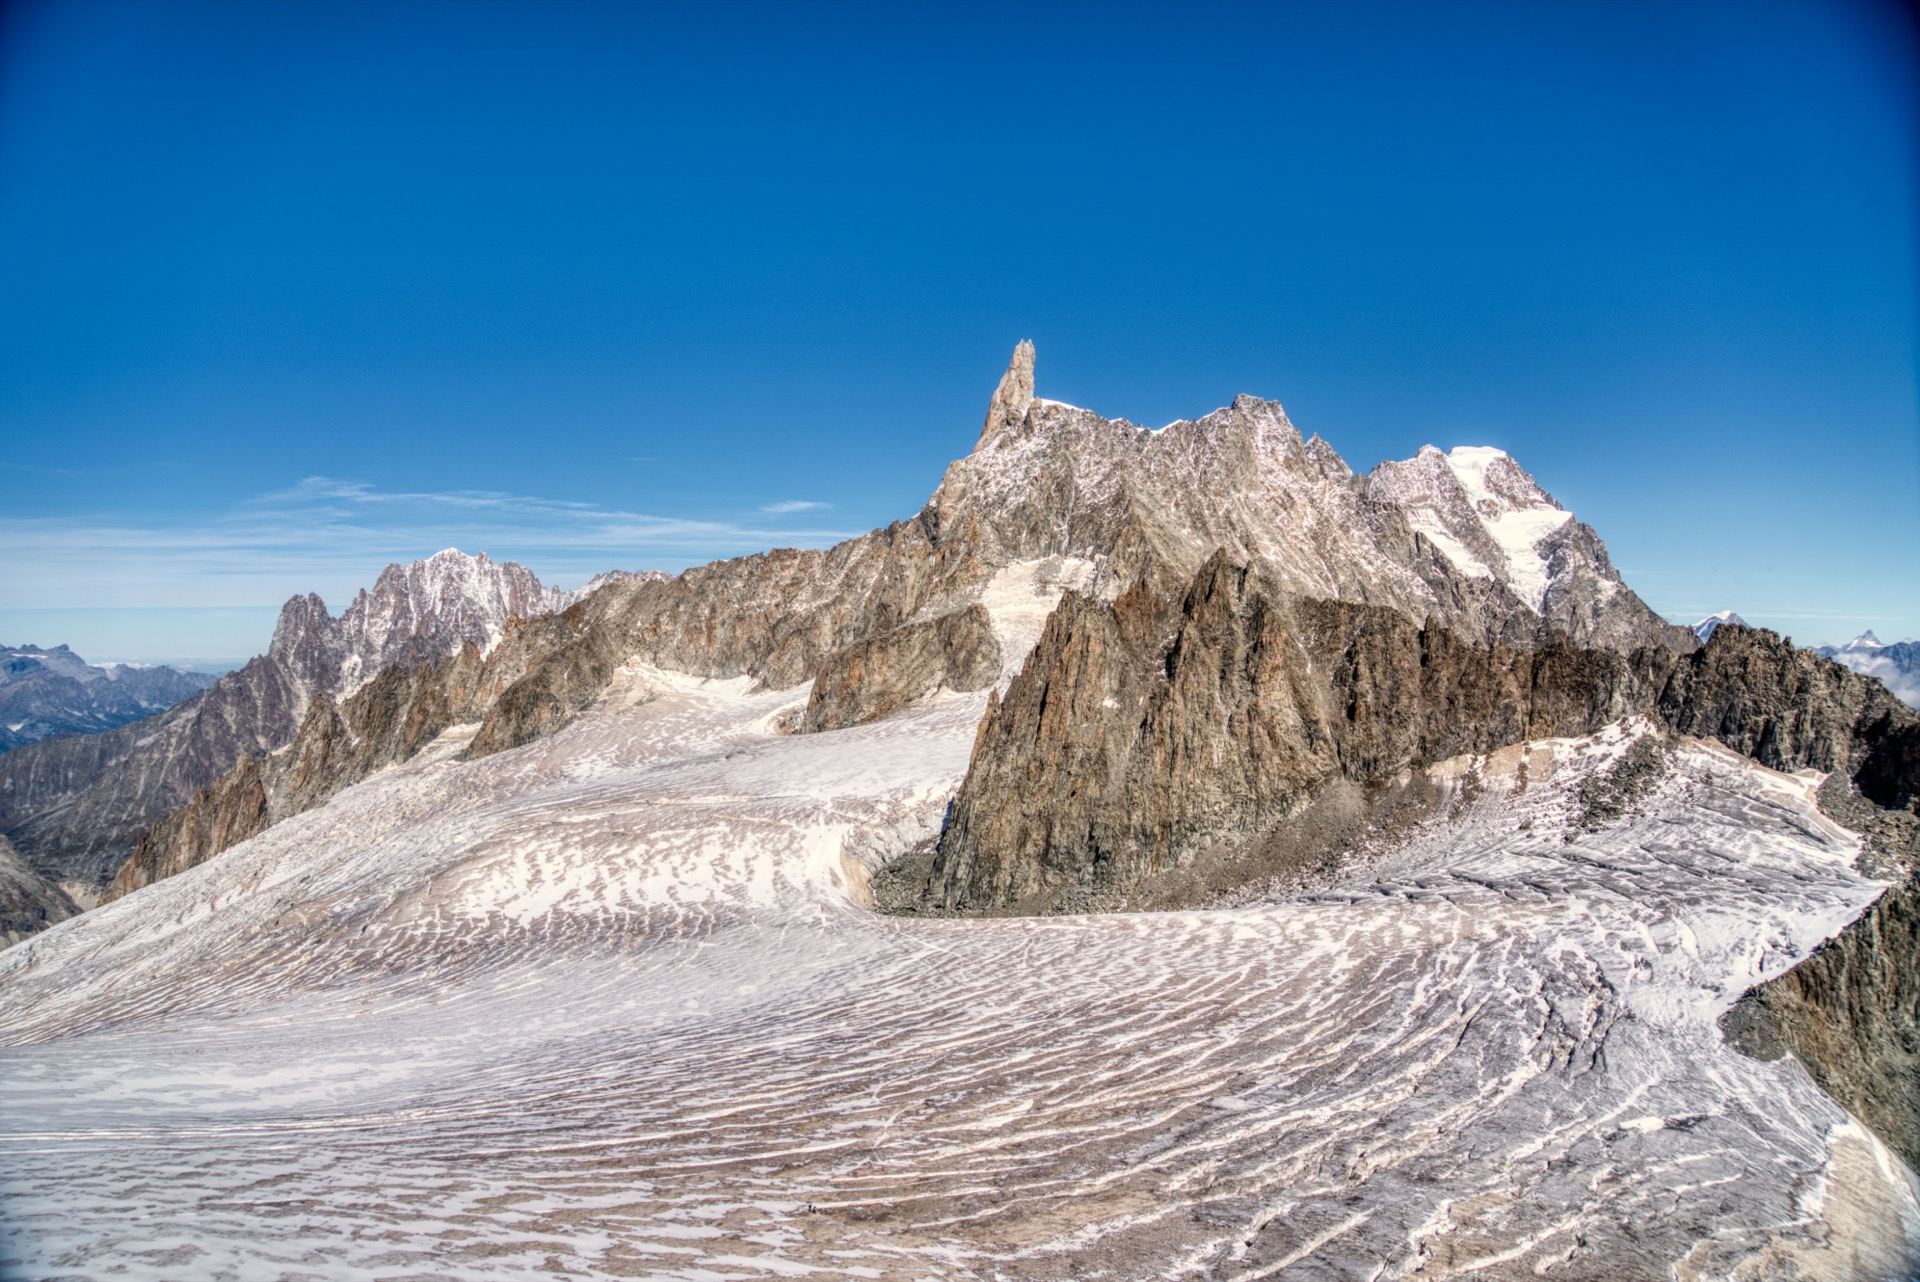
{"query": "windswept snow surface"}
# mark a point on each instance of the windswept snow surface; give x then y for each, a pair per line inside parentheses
(608, 1006)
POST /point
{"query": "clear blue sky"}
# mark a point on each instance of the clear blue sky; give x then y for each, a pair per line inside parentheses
(288, 291)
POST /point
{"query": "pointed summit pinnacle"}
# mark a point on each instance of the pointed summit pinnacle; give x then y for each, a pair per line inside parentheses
(1011, 398)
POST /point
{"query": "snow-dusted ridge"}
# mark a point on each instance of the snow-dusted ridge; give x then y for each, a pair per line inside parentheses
(1489, 518)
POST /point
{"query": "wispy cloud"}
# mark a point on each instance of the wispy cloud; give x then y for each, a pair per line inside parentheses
(332, 535)
(795, 505)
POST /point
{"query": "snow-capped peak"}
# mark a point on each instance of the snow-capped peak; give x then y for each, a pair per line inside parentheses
(1705, 628)
(1865, 641)
(1484, 514)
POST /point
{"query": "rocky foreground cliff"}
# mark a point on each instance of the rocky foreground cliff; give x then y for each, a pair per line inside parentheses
(1148, 730)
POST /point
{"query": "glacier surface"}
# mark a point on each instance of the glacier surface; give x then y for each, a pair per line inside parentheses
(609, 1005)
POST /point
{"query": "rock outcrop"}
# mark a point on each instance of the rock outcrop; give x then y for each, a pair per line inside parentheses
(29, 903)
(1851, 1012)
(1012, 397)
(1147, 730)
(882, 674)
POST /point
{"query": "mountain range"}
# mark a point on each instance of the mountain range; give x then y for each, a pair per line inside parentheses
(45, 694)
(1897, 664)
(1497, 902)
(75, 807)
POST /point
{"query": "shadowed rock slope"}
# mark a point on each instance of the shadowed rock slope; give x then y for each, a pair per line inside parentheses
(1851, 1011)
(28, 902)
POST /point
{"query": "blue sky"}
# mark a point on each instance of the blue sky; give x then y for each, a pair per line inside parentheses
(290, 291)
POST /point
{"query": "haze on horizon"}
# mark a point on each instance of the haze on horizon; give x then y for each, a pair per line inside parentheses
(295, 290)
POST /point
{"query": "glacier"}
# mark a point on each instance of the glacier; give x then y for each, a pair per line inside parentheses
(612, 1004)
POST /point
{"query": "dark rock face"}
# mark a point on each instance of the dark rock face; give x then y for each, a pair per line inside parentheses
(882, 674)
(75, 807)
(28, 902)
(47, 694)
(1851, 1012)
(1146, 731)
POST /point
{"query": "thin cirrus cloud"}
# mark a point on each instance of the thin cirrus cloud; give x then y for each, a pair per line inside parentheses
(332, 536)
(795, 505)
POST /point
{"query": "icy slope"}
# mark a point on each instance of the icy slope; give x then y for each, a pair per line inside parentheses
(607, 1005)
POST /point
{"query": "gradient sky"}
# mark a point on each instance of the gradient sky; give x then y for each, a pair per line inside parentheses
(290, 291)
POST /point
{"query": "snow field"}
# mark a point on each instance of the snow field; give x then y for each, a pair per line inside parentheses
(606, 1006)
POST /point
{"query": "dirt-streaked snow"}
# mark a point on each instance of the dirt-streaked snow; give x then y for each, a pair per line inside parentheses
(608, 1006)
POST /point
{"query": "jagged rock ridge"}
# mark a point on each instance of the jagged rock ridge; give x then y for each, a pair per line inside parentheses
(1047, 483)
(1146, 730)
(76, 807)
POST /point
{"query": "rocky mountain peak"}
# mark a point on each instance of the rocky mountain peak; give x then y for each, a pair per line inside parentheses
(1500, 559)
(1485, 515)
(426, 609)
(1012, 397)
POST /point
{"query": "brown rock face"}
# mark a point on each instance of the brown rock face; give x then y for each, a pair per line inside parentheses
(387, 720)
(1145, 731)
(883, 674)
(1012, 397)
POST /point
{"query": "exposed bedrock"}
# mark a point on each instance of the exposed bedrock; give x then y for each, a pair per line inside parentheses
(882, 674)
(29, 903)
(338, 744)
(1146, 730)
(1851, 1011)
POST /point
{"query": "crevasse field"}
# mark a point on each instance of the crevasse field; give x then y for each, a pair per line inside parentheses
(609, 1005)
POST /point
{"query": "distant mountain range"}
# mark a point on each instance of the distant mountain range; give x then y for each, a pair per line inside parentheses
(48, 693)
(73, 807)
(1897, 664)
